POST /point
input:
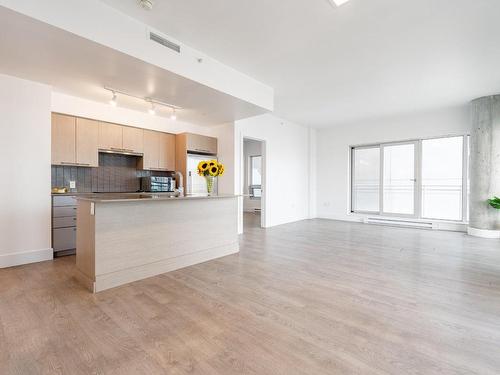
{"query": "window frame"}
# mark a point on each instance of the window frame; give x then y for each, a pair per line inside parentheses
(251, 185)
(352, 171)
(418, 177)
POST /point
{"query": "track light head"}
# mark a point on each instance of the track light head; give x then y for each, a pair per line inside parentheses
(113, 100)
(152, 110)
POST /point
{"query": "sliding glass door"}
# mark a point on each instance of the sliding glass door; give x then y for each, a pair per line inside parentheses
(398, 179)
(442, 178)
(424, 178)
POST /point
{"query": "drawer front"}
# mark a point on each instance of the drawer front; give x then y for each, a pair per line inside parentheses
(64, 238)
(63, 201)
(64, 211)
(64, 222)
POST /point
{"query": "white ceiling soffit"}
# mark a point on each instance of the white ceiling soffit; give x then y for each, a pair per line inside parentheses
(76, 66)
(331, 65)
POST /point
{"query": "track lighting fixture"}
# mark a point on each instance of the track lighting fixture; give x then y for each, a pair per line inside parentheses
(152, 102)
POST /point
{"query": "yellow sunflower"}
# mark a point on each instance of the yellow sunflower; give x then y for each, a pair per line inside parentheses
(214, 170)
(203, 165)
(211, 163)
(221, 169)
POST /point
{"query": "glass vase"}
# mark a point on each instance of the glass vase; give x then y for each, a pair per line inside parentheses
(210, 184)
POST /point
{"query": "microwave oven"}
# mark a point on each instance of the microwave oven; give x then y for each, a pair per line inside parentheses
(158, 184)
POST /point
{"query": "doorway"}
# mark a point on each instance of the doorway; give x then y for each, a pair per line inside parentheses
(253, 181)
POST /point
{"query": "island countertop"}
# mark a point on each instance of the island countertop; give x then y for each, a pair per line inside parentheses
(134, 197)
(122, 238)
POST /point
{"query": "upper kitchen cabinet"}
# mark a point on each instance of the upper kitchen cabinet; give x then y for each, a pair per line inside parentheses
(159, 151)
(63, 139)
(74, 141)
(133, 139)
(201, 144)
(110, 136)
(151, 157)
(167, 151)
(87, 141)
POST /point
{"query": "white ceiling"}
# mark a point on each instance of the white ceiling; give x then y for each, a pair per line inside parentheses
(76, 66)
(367, 58)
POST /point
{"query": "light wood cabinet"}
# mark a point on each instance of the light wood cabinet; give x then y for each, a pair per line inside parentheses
(201, 143)
(87, 140)
(133, 139)
(77, 141)
(159, 151)
(167, 151)
(151, 158)
(110, 136)
(63, 139)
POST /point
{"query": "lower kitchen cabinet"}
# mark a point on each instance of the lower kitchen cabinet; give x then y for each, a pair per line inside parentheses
(64, 225)
(64, 238)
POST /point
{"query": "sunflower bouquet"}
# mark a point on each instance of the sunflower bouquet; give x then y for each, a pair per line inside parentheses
(210, 169)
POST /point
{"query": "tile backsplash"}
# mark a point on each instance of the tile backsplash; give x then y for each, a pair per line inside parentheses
(116, 173)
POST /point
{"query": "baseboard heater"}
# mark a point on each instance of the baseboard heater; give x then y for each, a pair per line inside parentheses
(399, 222)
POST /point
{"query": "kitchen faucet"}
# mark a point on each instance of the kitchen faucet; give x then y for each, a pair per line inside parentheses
(179, 182)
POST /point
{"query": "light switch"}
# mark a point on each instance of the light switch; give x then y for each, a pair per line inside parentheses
(72, 184)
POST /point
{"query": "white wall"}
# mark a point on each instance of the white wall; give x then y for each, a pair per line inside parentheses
(285, 168)
(226, 183)
(25, 170)
(250, 148)
(76, 106)
(94, 20)
(333, 150)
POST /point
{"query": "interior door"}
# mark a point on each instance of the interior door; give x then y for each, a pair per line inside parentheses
(399, 183)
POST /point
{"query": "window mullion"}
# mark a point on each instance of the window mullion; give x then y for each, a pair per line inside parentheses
(418, 178)
(381, 181)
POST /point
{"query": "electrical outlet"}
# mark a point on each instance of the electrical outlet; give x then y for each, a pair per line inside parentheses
(72, 184)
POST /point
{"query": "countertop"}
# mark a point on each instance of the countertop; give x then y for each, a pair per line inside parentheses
(131, 197)
(78, 194)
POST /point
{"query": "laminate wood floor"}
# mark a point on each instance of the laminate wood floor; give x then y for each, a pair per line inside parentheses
(313, 297)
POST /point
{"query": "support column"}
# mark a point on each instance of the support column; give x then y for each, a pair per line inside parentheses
(484, 221)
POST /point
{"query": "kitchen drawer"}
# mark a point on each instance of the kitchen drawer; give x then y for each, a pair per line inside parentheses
(64, 238)
(64, 211)
(64, 222)
(62, 201)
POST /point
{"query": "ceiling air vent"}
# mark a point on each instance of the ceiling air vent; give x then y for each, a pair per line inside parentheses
(165, 42)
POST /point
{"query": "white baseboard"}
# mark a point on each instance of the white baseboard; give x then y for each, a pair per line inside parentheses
(436, 224)
(483, 233)
(350, 218)
(25, 257)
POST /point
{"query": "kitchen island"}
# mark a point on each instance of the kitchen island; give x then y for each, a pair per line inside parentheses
(124, 238)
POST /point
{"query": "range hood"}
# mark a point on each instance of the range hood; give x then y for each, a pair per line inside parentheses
(121, 151)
